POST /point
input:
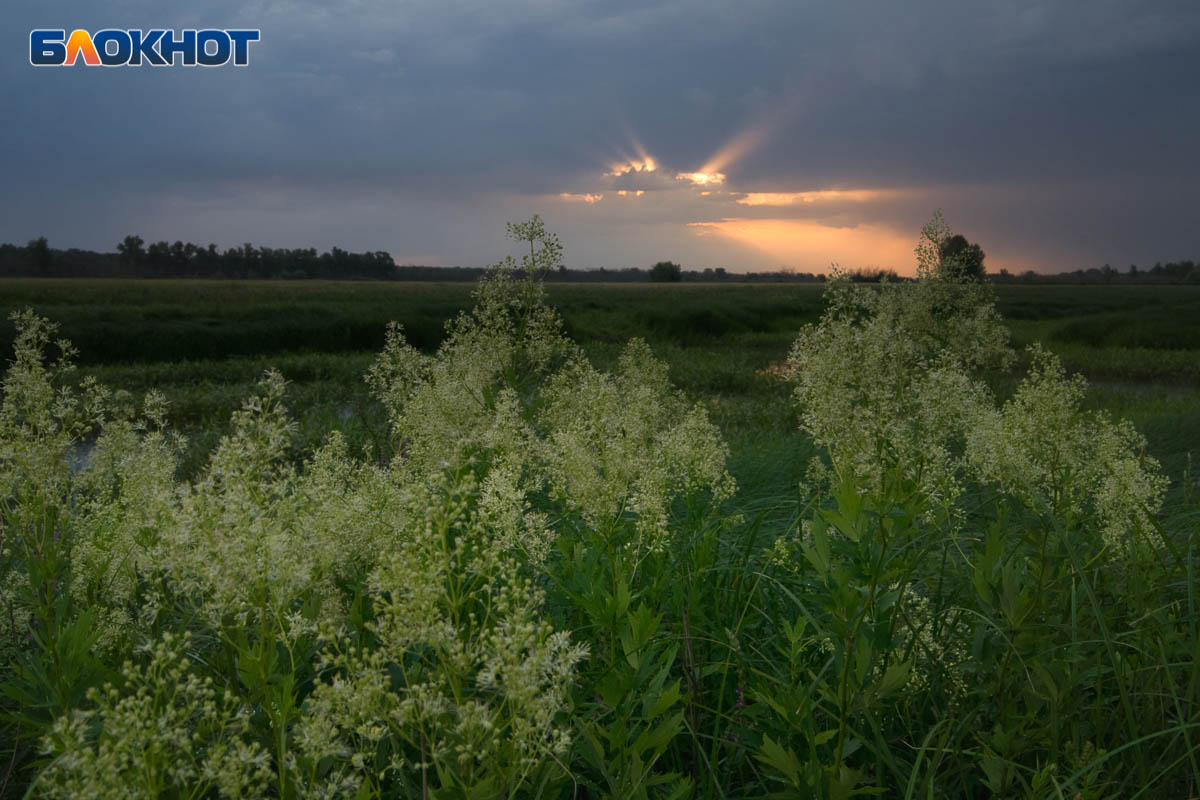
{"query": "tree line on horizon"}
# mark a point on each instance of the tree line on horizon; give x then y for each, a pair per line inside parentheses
(1172, 272)
(133, 258)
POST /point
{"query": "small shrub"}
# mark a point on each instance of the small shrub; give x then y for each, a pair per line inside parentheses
(666, 272)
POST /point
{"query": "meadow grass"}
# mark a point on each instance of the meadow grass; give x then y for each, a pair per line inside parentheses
(205, 344)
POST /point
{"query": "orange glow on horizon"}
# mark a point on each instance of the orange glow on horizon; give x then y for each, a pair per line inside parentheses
(814, 197)
(813, 247)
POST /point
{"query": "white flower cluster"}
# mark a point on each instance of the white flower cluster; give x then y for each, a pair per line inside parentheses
(129, 497)
(504, 436)
(168, 733)
(42, 423)
(1042, 448)
(509, 392)
(255, 544)
(889, 379)
(884, 380)
(40, 420)
(627, 444)
(484, 681)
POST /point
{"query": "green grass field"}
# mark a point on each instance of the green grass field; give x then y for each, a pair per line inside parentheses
(205, 343)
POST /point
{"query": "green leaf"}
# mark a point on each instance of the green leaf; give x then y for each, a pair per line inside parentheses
(780, 759)
(817, 553)
(668, 698)
(824, 736)
(894, 677)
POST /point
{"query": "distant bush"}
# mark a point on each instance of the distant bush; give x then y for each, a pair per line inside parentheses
(871, 275)
(666, 272)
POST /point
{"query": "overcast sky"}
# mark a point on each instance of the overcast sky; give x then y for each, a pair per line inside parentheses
(750, 135)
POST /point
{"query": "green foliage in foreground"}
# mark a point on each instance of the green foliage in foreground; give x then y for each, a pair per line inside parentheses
(544, 583)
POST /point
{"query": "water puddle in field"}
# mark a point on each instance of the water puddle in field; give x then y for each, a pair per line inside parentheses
(80, 455)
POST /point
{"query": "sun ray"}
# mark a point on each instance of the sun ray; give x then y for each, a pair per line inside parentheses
(737, 148)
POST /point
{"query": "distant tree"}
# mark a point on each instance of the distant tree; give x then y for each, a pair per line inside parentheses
(872, 275)
(180, 256)
(131, 250)
(38, 252)
(249, 259)
(960, 259)
(666, 272)
(158, 257)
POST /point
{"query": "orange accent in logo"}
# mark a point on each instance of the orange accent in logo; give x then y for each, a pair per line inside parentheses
(79, 44)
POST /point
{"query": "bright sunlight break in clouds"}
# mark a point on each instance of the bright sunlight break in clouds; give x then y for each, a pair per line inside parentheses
(794, 241)
(1057, 135)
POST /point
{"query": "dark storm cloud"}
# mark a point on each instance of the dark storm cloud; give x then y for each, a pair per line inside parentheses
(1052, 132)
